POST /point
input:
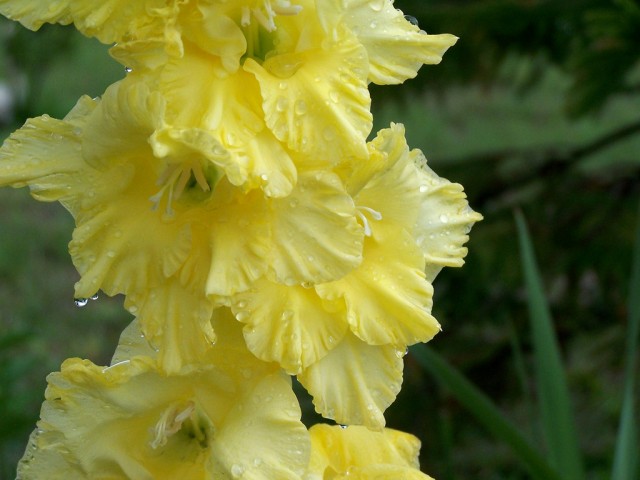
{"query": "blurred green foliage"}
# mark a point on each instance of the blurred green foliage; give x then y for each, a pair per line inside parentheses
(537, 106)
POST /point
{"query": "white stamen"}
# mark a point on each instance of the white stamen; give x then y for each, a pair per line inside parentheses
(284, 7)
(170, 423)
(374, 213)
(123, 362)
(365, 221)
(245, 20)
(267, 23)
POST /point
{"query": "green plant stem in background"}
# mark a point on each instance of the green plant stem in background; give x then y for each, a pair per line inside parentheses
(625, 464)
(553, 394)
(483, 409)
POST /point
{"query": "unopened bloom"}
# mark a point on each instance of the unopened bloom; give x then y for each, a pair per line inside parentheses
(231, 417)
(358, 453)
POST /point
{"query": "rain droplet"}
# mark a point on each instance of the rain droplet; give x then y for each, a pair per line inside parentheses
(444, 218)
(128, 69)
(343, 427)
(281, 104)
(411, 20)
(423, 188)
(80, 302)
(300, 107)
(94, 296)
(237, 470)
(376, 5)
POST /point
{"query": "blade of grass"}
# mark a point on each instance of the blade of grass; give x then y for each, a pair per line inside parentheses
(625, 463)
(483, 409)
(553, 394)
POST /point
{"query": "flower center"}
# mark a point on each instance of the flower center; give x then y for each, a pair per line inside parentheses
(180, 417)
(258, 24)
(178, 178)
(361, 212)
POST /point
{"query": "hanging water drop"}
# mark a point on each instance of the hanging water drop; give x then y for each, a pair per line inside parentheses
(411, 20)
(80, 302)
(94, 296)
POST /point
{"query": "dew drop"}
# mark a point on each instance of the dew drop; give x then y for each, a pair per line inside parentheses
(423, 188)
(329, 133)
(411, 20)
(343, 427)
(300, 107)
(376, 5)
(80, 302)
(373, 25)
(242, 304)
(128, 69)
(281, 104)
(237, 470)
(94, 296)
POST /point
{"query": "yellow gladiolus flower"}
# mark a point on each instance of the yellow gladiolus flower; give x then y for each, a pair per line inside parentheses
(231, 417)
(346, 338)
(168, 228)
(358, 453)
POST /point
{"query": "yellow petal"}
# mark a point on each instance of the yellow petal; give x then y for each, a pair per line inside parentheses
(176, 322)
(355, 382)
(239, 240)
(357, 452)
(49, 168)
(388, 299)
(314, 233)
(316, 101)
(444, 218)
(33, 14)
(396, 48)
(288, 325)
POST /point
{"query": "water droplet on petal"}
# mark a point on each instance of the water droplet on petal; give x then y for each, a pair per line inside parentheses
(281, 104)
(80, 302)
(300, 107)
(94, 296)
(376, 5)
(411, 20)
(237, 470)
(423, 188)
(444, 218)
(128, 69)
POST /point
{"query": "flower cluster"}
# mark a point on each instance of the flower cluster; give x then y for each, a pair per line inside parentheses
(227, 187)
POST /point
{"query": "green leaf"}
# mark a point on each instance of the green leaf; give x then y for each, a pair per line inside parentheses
(553, 394)
(481, 407)
(625, 463)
